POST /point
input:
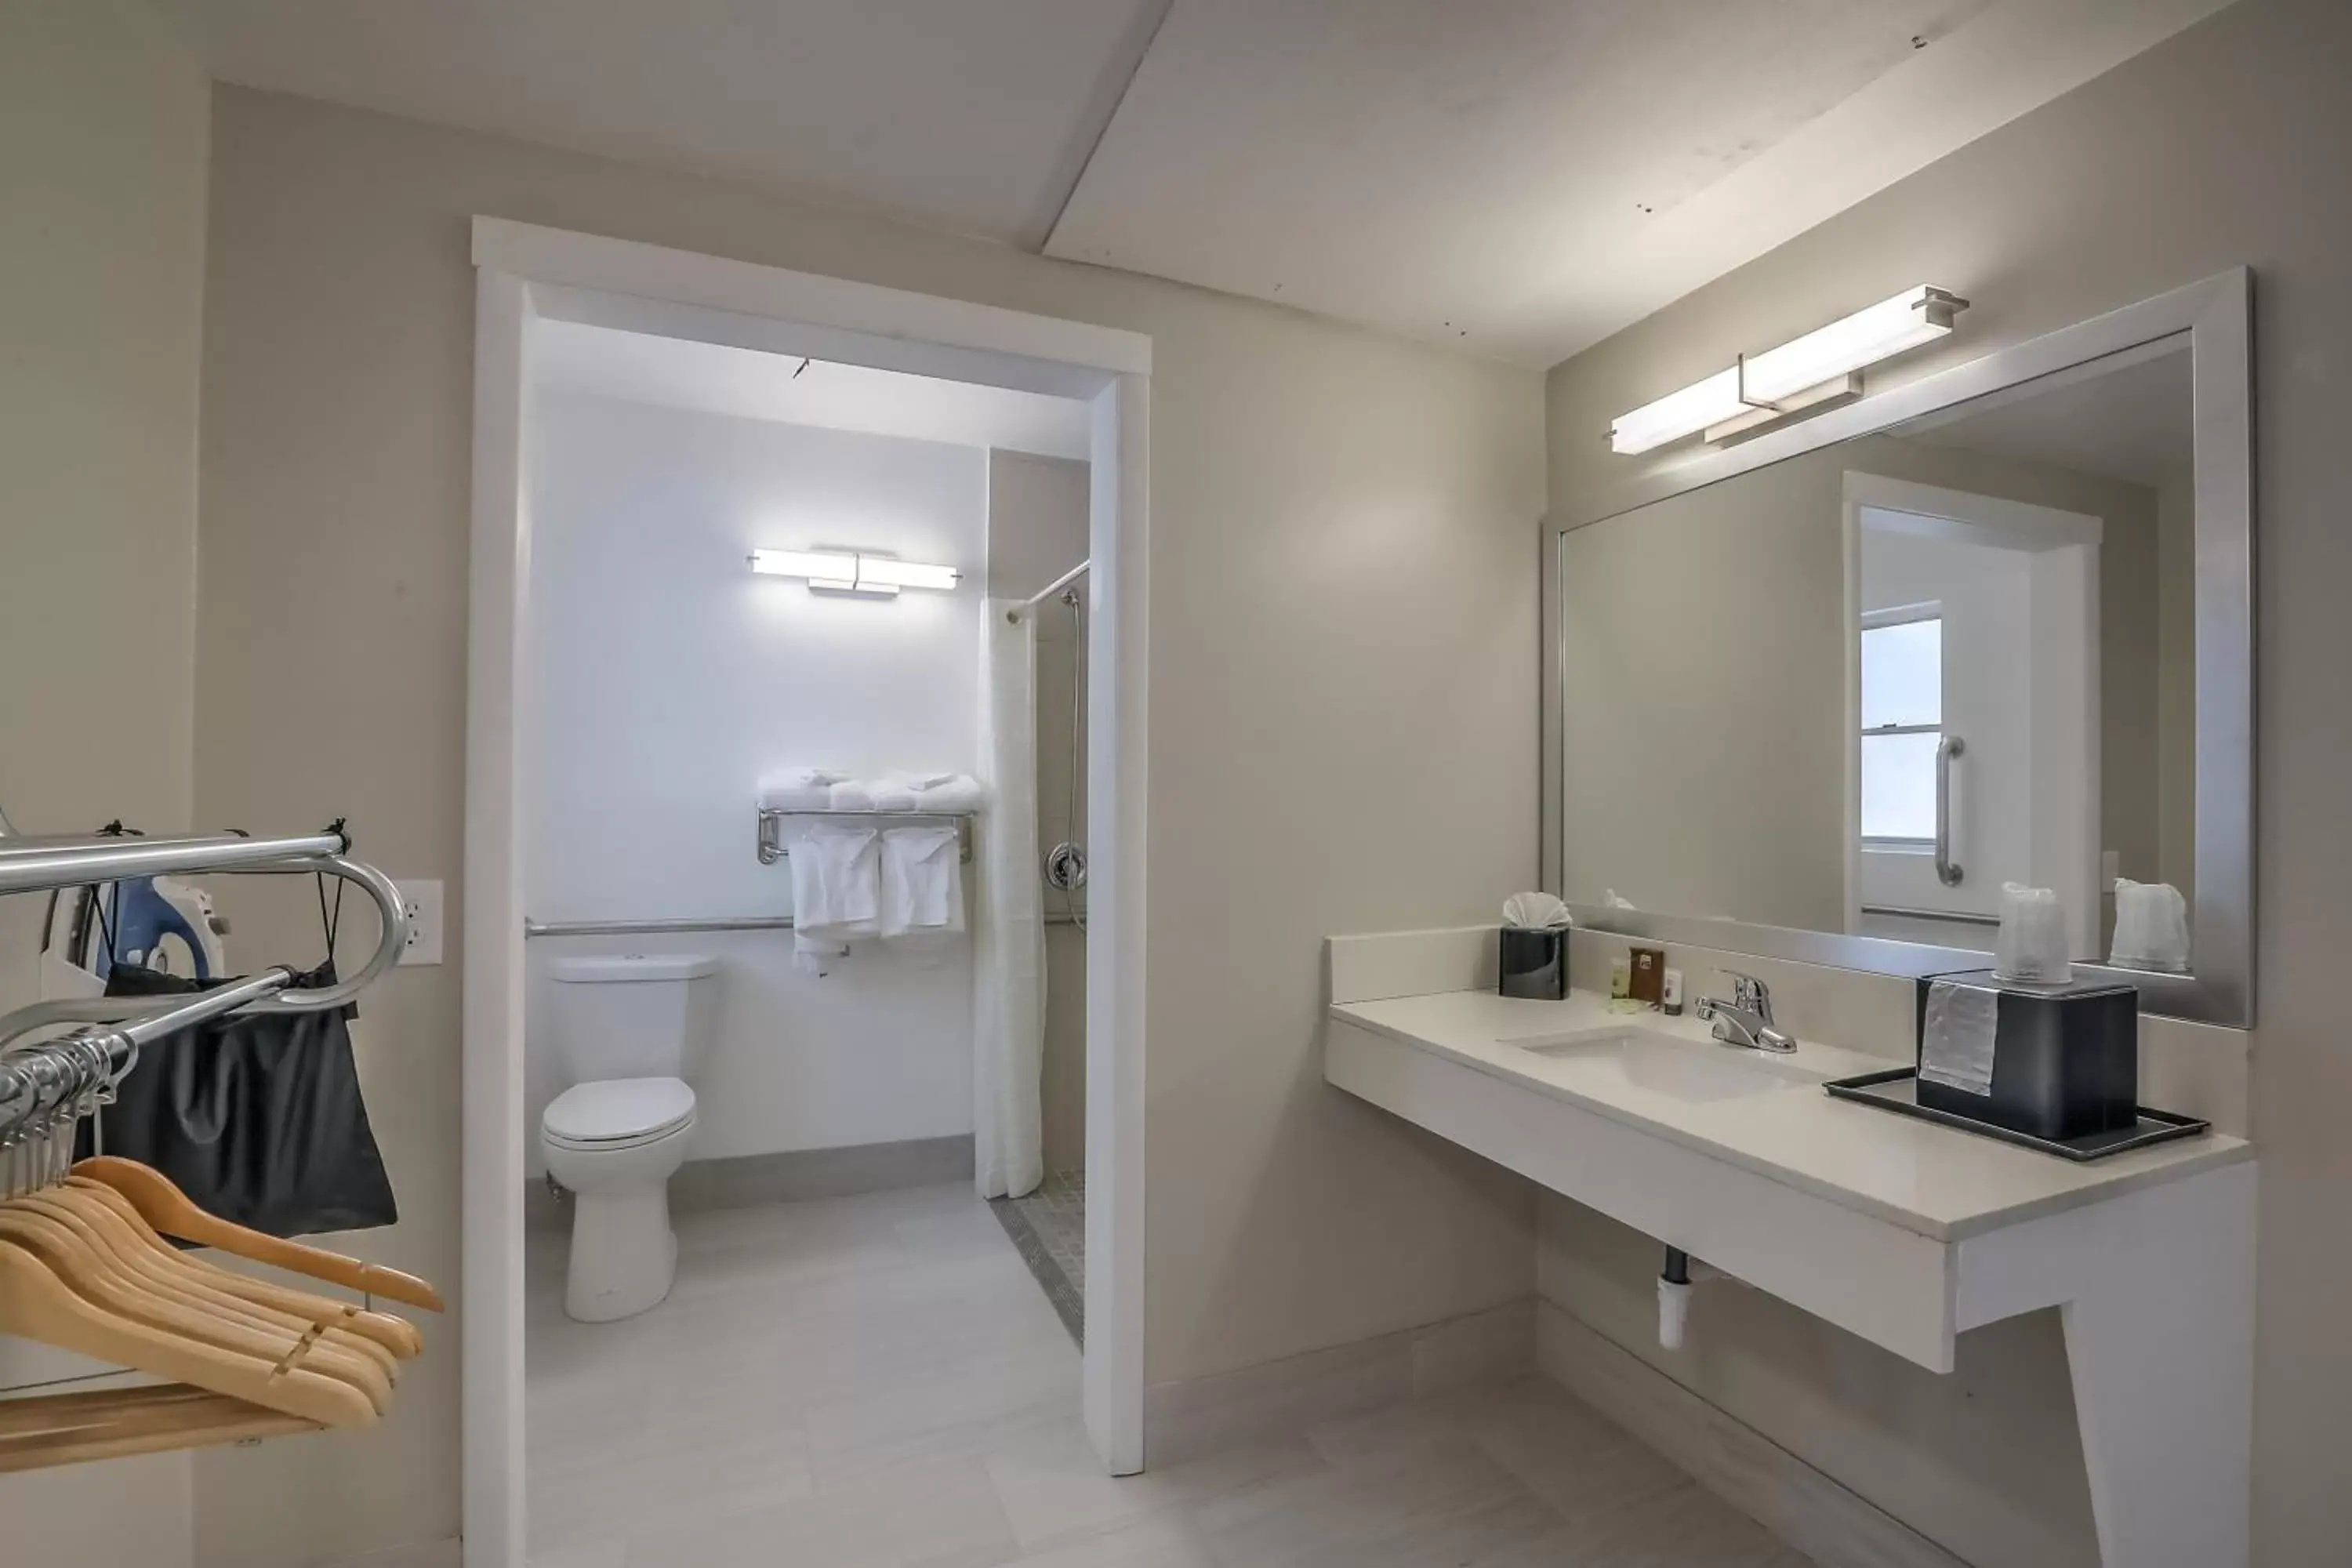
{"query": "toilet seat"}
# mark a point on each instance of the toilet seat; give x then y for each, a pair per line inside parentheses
(618, 1114)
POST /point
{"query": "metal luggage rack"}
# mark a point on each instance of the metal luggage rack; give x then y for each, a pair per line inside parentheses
(771, 826)
(47, 1087)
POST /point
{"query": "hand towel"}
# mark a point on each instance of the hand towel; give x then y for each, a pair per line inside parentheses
(850, 794)
(923, 881)
(836, 884)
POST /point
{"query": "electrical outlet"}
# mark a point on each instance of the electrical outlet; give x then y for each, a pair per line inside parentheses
(421, 902)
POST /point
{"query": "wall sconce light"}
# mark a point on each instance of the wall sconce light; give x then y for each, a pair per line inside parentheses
(838, 571)
(1820, 368)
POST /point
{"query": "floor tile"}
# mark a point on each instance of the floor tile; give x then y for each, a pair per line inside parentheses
(1685, 1527)
(1448, 1504)
(1053, 1487)
(877, 1381)
(933, 1514)
(1565, 1452)
(1159, 1542)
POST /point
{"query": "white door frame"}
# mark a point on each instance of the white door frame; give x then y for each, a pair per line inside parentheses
(525, 274)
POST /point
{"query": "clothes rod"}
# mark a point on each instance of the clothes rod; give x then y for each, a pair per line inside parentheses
(1049, 590)
(687, 927)
(1949, 917)
(37, 863)
(19, 1075)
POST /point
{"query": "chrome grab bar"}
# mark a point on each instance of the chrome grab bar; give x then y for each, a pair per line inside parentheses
(688, 926)
(1948, 870)
(1954, 917)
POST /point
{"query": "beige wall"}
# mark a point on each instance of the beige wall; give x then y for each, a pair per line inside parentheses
(1666, 718)
(2223, 146)
(103, 124)
(1343, 625)
(104, 114)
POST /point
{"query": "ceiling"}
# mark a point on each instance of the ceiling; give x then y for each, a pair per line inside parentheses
(969, 115)
(1518, 177)
(714, 378)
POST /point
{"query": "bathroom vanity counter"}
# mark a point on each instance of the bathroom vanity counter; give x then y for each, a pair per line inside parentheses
(1938, 1182)
(1900, 1231)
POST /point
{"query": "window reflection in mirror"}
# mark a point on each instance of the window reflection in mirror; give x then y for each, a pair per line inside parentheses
(1859, 689)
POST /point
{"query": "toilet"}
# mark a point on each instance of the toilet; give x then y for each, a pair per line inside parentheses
(625, 1038)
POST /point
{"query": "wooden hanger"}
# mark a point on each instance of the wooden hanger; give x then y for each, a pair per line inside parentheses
(170, 1211)
(146, 1255)
(98, 1280)
(114, 1423)
(36, 1303)
(394, 1336)
(160, 1271)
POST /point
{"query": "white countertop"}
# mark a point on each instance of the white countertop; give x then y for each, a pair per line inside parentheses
(1940, 1182)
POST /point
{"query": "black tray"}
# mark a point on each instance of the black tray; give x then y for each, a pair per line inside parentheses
(1895, 1089)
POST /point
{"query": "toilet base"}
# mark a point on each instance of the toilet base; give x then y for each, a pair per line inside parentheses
(623, 1254)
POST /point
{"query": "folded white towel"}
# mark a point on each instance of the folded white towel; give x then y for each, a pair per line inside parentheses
(923, 881)
(798, 789)
(960, 792)
(849, 795)
(899, 790)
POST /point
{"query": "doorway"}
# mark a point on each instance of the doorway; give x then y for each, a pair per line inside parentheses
(529, 278)
(1973, 710)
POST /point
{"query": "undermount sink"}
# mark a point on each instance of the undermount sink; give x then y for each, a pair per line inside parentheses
(1695, 1071)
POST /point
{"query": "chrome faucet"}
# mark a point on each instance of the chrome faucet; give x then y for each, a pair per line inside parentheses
(1745, 1020)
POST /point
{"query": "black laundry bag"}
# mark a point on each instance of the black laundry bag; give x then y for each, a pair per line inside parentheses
(256, 1116)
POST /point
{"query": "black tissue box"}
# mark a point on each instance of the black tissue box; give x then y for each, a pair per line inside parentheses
(1534, 963)
(2066, 1058)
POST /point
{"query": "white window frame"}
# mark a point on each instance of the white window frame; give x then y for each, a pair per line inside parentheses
(1878, 620)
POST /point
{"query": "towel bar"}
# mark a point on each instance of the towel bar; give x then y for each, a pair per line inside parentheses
(772, 837)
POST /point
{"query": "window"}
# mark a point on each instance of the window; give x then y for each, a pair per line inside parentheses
(1902, 722)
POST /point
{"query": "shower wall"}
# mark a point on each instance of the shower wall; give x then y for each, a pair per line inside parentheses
(1036, 531)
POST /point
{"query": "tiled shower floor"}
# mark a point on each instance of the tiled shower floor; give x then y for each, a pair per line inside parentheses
(1049, 1228)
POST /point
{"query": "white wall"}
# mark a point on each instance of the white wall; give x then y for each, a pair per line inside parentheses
(104, 121)
(1343, 632)
(2219, 148)
(667, 676)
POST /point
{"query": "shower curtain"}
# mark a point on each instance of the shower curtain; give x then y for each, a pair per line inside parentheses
(1009, 932)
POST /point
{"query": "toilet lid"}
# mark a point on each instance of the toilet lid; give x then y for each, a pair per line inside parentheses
(618, 1108)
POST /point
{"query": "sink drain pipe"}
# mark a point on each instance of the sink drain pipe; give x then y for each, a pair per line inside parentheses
(1674, 1297)
(1676, 1278)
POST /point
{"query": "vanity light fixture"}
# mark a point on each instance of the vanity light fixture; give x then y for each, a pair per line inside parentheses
(1819, 368)
(838, 571)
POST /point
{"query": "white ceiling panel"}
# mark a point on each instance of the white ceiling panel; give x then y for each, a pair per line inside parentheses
(714, 378)
(975, 117)
(1524, 177)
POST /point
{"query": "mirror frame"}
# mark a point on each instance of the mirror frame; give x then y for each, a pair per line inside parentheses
(2216, 316)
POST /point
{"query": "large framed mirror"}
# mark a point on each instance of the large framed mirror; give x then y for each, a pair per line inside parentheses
(1820, 695)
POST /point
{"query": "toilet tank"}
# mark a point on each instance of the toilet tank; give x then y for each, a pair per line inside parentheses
(633, 1016)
